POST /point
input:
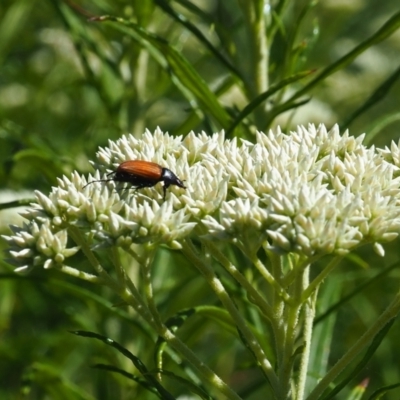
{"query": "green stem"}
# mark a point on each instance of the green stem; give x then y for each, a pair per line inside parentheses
(80, 240)
(148, 286)
(125, 281)
(391, 312)
(276, 272)
(278, 289)
(129, 296)
(170, 337)
(303, 263)
(208, 273)
(128, 292)
(253, 295)
(140, 79)
(278, 322)
(292, 322)
(318, 280)
(253, 11)
(206, 372)
(119, 269)
(309, 315)
(173, 340)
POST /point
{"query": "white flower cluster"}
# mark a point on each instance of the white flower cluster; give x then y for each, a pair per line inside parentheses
(310, 192)
(36, 245)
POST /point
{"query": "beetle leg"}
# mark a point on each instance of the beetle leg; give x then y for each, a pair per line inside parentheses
(165, 187)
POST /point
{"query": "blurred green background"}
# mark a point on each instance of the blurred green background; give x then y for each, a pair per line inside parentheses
(69, 84)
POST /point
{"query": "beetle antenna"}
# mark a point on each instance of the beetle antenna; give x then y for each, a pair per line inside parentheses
(98, 180)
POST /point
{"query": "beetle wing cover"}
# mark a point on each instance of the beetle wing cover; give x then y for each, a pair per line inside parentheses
(142, 169)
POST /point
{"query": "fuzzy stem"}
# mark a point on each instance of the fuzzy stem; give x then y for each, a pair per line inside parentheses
(302, 263)
(131, 296)
(278, 289)
(80, 240)
(253, 295)
(309, 315)
(253, 11)
(278, 322)
(119, 269)
(318, 280)
(217, 286)
(148, 285)
(171, 338)
(292, 310)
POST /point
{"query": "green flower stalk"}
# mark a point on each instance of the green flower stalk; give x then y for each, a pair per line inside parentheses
(284, 202)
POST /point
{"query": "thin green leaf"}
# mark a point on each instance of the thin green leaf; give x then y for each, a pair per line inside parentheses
(165, 395)
(183, 74)
(16, 203)
(282, 108)
(263, 97)
(107, 82)
(291, 62)
(387, 29)
(359, 367)
(190, 385)
(382, 391)
(379, 93)
(175, 322)
(323, 333)
(216, 314)
(380, 124)
(277, 17)
(355, 292)
(199, 35)
(128, 375)
(192, 7)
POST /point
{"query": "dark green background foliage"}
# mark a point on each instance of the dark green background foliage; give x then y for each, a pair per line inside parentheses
(68, 84)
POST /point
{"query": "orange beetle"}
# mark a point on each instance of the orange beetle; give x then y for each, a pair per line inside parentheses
(141, 174)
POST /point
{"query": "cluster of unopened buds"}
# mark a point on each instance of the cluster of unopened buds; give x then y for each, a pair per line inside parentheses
(311, 191)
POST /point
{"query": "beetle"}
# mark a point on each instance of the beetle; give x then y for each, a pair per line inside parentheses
(141, 174)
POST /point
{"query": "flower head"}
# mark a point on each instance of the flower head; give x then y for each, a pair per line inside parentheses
(312, 191)
(37, 245)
